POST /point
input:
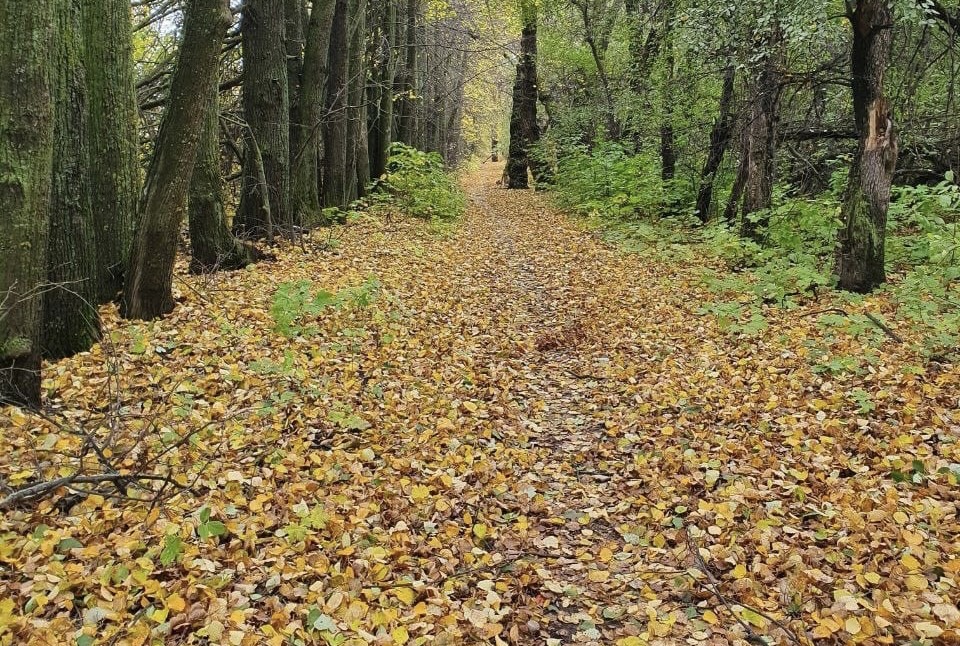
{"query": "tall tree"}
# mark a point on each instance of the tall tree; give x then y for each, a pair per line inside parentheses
(380, 91)
(26, 157)
(358, 159)
(753, 188)
(524, 129)
(148, 291)
(71, 322)
(305, 200)
(860, 256)
(407, 98)
(266, 108)
(719, 142)
(335, 180)
(212, 245)
(113, 144)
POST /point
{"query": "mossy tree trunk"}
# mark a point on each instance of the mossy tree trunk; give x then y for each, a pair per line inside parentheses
(358, 160)
(757, 173)
(71, 322)
(524, 130)
(305, 199)
(719, 142)
(335, 182)
(26, 158)
(860, 255)
(148, 291)
(112, 142)
(213, 247)
(266, 107)
(380, 92)
(294, 43)
(406, 109)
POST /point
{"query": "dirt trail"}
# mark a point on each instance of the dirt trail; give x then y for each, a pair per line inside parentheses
(525, 437)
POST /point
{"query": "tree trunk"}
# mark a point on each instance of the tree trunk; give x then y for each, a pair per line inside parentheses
(759, 139)
(358, 160)
(266, 108)
(524, 130)
(26, 157)
(213, 247)
(406, 108)
(113, 142)
(668, 147)
(860, 256)
(335, 183)
(305, 200)
(71, 322)
(644, 47)
(294, 44)
(381, 91)
(148, 292)
(719, 141)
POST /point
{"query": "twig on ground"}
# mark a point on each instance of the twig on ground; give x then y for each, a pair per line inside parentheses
(886, 329)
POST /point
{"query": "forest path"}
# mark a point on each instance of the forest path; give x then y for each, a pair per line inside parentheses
(508, 432)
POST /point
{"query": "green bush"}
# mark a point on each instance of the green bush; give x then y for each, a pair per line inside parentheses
(611, 184)
(417, 184)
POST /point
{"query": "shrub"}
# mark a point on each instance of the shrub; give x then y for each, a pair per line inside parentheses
(416, 183)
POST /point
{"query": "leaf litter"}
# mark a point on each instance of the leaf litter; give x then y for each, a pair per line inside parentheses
(509, 433)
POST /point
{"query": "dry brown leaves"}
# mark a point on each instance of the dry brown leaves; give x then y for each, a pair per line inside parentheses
(522, 440)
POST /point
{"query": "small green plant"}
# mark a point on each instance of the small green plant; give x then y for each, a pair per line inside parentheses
(207, 527)
(417, 184)
(293, 302)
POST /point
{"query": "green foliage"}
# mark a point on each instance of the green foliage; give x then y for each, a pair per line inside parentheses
(295, 301)
(416, 183)
(611, 184)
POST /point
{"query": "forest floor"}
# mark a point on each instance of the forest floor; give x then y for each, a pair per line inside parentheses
(505, 432)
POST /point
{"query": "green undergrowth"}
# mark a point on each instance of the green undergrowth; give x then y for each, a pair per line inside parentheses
(623, 198)
(416, 184)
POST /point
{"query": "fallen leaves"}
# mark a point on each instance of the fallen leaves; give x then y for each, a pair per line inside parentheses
(505, 445)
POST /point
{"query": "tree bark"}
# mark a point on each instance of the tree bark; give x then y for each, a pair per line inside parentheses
(406, 109)
(294, 44)
(358, 160)
(148, 292)
(759, 138)
(719, 141)
(524, 130)
(860, 256)
(113, 142)
(305, 200)
(335, 183)
(213, 247)
(266, 108)
(26, 157)
(71, 322)
(380, 92)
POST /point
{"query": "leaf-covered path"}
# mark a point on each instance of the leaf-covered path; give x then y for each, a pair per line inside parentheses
(510, 433)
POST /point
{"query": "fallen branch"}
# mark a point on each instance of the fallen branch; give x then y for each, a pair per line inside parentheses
(873, 319)
(42, 489)
(713, 587)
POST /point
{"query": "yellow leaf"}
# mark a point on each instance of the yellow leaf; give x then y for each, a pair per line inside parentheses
(406, 595)
(480, 531)
(710, 617)
(606, 554)
(910, 562)
(470, 406)
(631, 641)
(851, 625)
(400, 635)
(916, 582)
(176, 603)
(598, 576)
(419, 493)
(872, 577)
(901, 517)
(740, 571)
